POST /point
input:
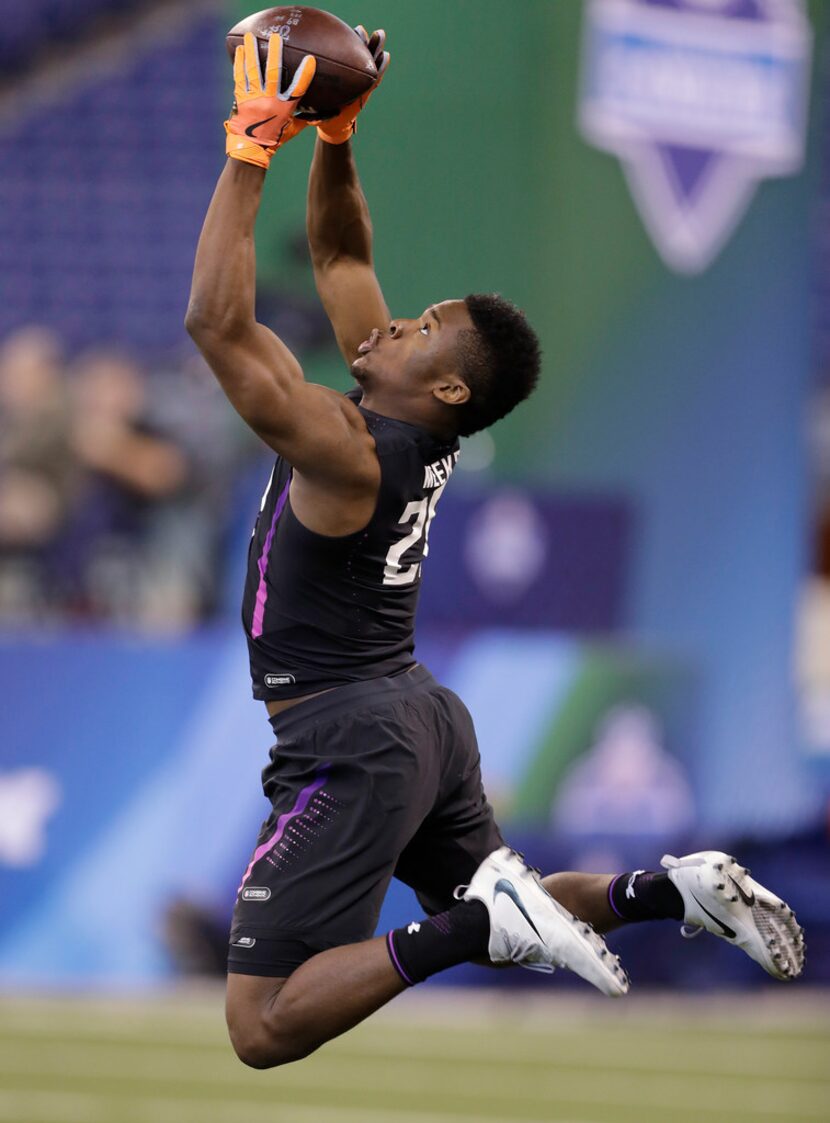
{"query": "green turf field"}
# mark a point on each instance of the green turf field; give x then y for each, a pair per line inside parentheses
(450, 1058)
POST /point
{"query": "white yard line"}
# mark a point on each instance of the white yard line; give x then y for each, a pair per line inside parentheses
(59, 1107)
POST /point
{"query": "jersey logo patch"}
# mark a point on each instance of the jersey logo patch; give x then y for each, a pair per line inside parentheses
(279, 680)
(256, 893)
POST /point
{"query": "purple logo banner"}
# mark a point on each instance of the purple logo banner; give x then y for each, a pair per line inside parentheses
(700, 100)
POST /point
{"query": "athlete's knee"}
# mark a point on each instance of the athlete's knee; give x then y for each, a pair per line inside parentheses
(259, 1047)
(263, 1043)
(266, 1034)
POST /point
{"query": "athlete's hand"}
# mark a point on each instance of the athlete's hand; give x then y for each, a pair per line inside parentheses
(341, 128)
(262, 118)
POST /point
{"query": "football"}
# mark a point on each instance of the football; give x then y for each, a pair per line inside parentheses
(345, 69)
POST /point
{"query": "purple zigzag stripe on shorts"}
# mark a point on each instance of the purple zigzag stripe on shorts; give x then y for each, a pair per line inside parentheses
(283, 821)
(262, 565)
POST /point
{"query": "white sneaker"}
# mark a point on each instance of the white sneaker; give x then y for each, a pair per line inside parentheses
(529, 927)
(721, 897)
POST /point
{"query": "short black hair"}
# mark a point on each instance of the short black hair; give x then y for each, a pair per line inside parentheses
(500, 360)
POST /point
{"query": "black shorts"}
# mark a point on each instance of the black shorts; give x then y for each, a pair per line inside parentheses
(367, 781)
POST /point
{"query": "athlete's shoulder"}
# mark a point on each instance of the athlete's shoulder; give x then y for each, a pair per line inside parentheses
(347, 403)
(391, 435)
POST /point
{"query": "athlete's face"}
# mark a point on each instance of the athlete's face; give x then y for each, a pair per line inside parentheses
(416, 359)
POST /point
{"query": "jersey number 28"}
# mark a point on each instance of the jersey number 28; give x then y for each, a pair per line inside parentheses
(420, 514)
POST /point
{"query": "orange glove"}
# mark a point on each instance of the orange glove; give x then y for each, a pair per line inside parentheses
(262, 118)
(341, 128)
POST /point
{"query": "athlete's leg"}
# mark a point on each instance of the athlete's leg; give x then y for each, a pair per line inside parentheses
(607, 901)
(275, 1021)
(586, 896)
(707, 890)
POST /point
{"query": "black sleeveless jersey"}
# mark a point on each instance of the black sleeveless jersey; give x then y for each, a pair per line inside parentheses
(320, 612)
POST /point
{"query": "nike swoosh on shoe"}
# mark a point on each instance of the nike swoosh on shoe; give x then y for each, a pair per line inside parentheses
(727, 931)
(506, 887)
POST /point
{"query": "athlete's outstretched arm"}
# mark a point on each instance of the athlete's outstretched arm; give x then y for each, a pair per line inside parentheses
(340, 230)
(322, 434)
(340, 239)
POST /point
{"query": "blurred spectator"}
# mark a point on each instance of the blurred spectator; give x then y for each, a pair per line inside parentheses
(627, 783)
(115, 487)
(131, 524)
(196, 939)
(38, 476)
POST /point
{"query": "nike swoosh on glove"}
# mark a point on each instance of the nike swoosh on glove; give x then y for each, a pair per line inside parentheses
(262, 118)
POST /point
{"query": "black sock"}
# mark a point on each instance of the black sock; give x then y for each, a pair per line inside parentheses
(425, 947)
(642, 895)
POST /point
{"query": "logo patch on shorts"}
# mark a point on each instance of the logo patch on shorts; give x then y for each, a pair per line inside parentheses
(256, 893)
(279, 680)
(243, 942)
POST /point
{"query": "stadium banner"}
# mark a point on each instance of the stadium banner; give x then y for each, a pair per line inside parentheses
(700, 100)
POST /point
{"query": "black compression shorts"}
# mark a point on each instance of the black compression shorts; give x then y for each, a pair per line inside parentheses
(366, 781)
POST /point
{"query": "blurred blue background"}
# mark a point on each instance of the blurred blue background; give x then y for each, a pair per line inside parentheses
(629, 580)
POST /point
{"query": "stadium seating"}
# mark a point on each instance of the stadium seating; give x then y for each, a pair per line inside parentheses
(37, 25)
(104, 193)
